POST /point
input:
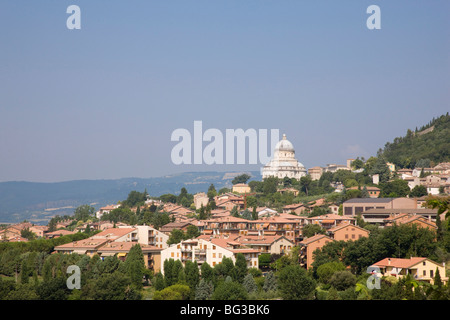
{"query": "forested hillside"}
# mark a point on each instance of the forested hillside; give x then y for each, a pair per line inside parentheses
(423, 147)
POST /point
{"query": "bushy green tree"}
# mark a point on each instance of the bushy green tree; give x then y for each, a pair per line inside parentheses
(204, 290)
(295, 283)
(135, 265)
(249, 283)
(230, 290)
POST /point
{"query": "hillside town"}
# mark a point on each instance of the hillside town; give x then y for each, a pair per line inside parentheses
(233, 225)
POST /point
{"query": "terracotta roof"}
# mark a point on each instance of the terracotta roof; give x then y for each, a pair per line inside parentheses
(295, 205)
(113, 233)
(59, 232)
(346, 224)
(331, 216)
(85, 243)
(122, 246)
(399, 263)
(312, 239)
(422, 219)
(255, 240)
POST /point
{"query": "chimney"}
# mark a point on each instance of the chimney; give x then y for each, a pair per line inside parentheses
(389, 261)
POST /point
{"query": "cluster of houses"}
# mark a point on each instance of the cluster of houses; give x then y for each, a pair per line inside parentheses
(13, 232)
(224, 235)
(435, 179)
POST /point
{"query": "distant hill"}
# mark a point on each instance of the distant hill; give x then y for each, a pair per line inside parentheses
(38, 202)
(425, 146)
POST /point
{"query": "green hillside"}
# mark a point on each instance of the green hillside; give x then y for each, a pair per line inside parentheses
(423, 147)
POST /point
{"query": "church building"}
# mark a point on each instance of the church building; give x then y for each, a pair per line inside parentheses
(284, 163)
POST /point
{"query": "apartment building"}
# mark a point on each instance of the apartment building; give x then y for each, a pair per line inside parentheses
(151, 236)
(118, 242)
(309, 245)
(415, 219)
(356, 206)
(211, 251)
(267, 244)
(422, 269)
(152, 254)
(330, 220)
(347, 231)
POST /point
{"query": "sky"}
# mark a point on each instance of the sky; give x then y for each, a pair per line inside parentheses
(102, 102)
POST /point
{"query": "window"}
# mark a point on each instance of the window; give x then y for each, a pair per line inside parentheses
(353, 236)
(214, 254)
(172, 254)
(346, 236)
(348, 211)
(431, 273)
(424, 273)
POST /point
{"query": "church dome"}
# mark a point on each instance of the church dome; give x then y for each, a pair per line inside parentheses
(284, 145)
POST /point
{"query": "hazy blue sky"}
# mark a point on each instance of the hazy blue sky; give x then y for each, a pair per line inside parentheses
(102, 102)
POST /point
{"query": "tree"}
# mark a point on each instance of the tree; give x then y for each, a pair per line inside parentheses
(380, 167)
(135, 198)
(246, 214)
(270, 282)
(441, 203)
(168, 197)
(202, 213)
(305, 183)
(243, 178)
(174, 292)
(418, 191)
(54, 289)
(395, 188)
(342, 280)
(158, 281)
(438, 292)
(26, 233)
(357, 164)
(176, 236)
(254, 214)
(364, 192)
(84, 212)
(230, 290)
(204, 290)
(249, 283)
(211, 192)
(240, 267)
(192, 274)
(135, 265)
(235, 212)
(327, 270)
(310, 230)
(270, 185)
(191, 232)
(207, 272)
(295, 284)
(110, 286)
